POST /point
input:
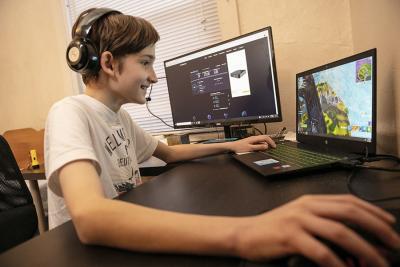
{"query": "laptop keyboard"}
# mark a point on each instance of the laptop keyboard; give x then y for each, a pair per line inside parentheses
(298, 157)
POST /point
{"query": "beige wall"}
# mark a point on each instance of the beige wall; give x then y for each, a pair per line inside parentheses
(309, 33)
(376, 24)
(33, 71)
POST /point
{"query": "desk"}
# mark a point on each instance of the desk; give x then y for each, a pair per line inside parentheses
(32, 176)
(216, 185)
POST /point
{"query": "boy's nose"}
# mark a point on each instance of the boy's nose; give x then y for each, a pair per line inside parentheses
(153, 77)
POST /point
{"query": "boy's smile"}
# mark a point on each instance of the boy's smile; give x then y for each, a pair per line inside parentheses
(136, 76)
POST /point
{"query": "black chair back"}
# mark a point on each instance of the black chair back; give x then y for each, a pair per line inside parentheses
(18, 219)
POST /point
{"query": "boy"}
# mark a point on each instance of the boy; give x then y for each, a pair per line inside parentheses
(92, 154)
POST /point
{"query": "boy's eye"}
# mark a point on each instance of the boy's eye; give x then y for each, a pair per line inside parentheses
(145, 63)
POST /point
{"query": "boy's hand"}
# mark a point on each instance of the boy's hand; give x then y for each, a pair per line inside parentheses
(294, 228)
(253, 143)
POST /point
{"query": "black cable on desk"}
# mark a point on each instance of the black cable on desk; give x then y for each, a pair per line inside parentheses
(379, 157)
(356, 166)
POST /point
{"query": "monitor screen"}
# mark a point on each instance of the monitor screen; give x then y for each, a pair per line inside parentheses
(338, 100)
(232, 82)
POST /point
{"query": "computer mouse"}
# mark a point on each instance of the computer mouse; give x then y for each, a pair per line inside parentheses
(391, 255)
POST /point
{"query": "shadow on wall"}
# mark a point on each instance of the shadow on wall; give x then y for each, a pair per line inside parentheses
(387, 139)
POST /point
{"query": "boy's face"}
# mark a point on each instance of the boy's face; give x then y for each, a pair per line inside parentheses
(136, 76)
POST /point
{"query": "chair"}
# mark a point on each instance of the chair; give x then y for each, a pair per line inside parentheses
(18, 219)
(21, 141)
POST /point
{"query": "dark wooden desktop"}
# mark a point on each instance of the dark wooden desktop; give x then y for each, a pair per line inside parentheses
(216, 185)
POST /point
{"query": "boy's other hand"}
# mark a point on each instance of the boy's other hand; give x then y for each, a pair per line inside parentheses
(252, 143)
(295, 228)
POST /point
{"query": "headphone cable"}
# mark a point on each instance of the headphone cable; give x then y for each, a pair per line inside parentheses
(148, 99)
(148, 109)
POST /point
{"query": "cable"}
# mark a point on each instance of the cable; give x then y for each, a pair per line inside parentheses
(376, 168)
(147, 106)
(349, 181)
(356, 167)
(279, 136)
(280, 133)
(257, 130)
(378, 157)
(148, 99)
(151, 89)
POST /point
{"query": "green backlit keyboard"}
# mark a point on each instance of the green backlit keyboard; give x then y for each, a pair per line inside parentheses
(299, 157)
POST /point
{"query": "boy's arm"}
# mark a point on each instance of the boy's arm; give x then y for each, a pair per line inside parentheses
(289, 229)
(115, 223)
(192, 151)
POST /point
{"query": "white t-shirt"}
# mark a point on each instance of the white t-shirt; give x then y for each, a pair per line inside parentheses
(81, 127)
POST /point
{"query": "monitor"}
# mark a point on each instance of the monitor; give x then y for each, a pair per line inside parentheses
(232, 82)
(336, 103)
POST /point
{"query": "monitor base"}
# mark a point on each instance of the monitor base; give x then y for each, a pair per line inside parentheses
(238, 131)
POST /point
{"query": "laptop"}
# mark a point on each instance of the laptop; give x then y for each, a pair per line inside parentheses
(335, 119)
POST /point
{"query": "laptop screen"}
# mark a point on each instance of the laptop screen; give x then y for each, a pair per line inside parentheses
(337, 100)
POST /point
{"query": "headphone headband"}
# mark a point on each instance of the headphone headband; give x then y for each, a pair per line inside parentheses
(87, 20)
(82, 55)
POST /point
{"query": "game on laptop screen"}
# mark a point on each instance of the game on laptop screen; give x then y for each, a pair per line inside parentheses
(337, 101)
(230, 82)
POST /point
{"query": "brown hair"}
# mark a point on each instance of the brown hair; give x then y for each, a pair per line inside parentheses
(119, 34)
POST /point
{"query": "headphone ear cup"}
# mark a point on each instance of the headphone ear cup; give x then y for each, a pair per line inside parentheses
(92, 58)
(76, 55)
(82, 56)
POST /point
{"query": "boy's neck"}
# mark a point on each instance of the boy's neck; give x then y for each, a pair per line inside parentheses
(103, 95)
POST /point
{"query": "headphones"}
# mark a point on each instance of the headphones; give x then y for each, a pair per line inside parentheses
(82, 55)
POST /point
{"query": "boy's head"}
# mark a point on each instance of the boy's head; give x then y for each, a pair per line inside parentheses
(108, 30)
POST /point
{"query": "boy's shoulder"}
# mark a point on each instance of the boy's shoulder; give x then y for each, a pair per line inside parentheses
(68, 106)
(70, 100)
(79, 102)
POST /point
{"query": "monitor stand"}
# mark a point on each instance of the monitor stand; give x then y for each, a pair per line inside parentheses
(227, 131)
(237, 131)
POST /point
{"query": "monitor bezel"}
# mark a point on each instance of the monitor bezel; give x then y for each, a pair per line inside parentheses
(345, 145)
(238, 120)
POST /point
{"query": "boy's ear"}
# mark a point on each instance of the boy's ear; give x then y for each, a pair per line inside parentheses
(108, 63)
